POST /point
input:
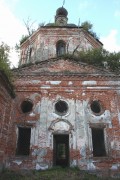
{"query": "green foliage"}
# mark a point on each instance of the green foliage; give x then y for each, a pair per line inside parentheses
(41, 24)
(88, 27)
(98, 57)
(4, 60)
(23, 38)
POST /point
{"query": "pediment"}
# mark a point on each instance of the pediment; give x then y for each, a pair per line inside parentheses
(62, 66)
(68, 66)
(61, 125)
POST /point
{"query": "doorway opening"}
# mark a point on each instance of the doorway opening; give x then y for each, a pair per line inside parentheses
(61, 150)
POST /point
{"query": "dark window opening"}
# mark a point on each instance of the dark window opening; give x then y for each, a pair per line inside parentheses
(61, 107)
(30, 53)
(26, 106)
(98, 142)
(96, 107)
(60, 47)
(23, 144)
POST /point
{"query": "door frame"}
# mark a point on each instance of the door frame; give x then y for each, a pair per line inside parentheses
(58, 139)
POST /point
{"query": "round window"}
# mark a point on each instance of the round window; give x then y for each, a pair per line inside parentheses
(96, 107)
(61, 107)
(26, 106)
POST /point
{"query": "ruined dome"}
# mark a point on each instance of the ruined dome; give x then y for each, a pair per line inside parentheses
(61, 12)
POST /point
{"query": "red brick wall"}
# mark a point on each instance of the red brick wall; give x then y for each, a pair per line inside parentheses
(5, 118)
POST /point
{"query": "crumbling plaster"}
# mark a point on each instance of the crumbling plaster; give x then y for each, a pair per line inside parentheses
(80, 117)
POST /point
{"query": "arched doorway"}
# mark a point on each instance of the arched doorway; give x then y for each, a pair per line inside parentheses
(61, 130)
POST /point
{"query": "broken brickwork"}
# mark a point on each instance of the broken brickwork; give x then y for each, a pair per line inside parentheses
(78, 91)
(65, 113)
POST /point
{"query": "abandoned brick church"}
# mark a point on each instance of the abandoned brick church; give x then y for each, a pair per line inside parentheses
(62, 112)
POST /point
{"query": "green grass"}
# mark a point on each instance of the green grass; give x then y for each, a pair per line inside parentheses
(51, 174)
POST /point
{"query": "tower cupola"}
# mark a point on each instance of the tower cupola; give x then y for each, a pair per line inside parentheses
(61, 17)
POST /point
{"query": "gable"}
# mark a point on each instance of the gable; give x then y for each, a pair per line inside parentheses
(62, 66)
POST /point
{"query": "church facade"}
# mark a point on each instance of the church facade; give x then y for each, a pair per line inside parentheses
(65, 113)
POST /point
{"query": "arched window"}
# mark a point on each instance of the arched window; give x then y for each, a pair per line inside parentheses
(26, 106)
(60, 48)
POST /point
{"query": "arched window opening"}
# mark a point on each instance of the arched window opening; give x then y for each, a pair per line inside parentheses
(60, 48)
(26, 106)
(96, 107)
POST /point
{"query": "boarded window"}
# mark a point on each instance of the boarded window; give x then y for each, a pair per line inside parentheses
(23, 144)
(98, 142)
(60, 48)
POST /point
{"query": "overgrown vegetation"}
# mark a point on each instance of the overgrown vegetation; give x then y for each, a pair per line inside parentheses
(89, 28)
(51, 174)
(23, 38)
(98, 57)
(4, 60)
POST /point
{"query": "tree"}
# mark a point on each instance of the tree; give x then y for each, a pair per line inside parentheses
(88, 27)
(29, 26)
(4, 59)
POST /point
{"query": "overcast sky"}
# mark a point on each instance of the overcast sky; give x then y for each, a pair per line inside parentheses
(103, 14)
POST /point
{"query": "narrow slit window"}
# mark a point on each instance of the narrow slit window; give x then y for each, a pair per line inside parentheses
(23, 144)
(98, 142)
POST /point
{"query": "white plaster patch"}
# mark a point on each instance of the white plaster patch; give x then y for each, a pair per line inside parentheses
(45, 87)
(41, 167)
(112, 144)
(54, 82)
(99, 87)
(74, 163)
(114, 167)
(105, 117)
(83, 94)
(18, 162)
(83, 151)
(117, 145)
(91, 166)
(89, 83)
(31, 114)
(70, 90)
(61, 126)
(119, 117)
(70, 83)
(31, 122)
(35, 81)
